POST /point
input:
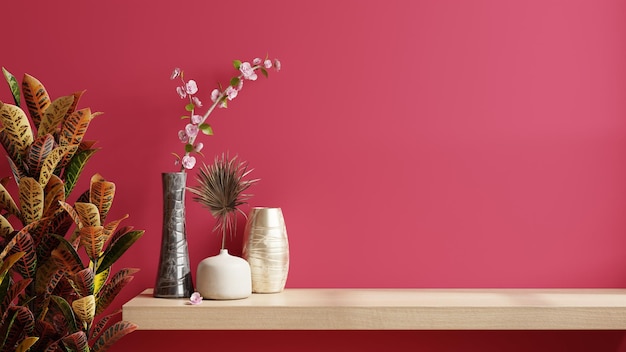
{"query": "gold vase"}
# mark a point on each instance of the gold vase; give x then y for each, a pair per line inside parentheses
(266, 249)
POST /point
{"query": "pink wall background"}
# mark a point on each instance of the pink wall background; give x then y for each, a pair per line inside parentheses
(410, 143)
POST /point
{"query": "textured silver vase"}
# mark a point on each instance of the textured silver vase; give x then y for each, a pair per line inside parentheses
(174, 274)
(266, 249)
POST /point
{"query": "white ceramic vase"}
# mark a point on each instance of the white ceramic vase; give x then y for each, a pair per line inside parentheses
(224, 277)
(266, 248)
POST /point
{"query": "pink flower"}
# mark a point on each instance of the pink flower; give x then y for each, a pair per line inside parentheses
(183, 136)
(277, 64)
(191, 130)
(175, 73)
(196, 119)
(195, 298)
(181, 92)
(196, 102)
(256, 61)
(215, 94)
(231, 93)
(267, 63)
(247, 71)
(191, 87)
(189, 162)
(198, 147)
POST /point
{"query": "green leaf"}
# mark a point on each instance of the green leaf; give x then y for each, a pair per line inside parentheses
(237, 64)
(189, 107)
(264, 72)
(234, 81)
(15, 87)
(118, 248)
(206, 129)
(74, 168)
(188, 148)
(184, 117)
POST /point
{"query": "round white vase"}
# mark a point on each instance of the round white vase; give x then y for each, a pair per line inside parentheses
(224, 277)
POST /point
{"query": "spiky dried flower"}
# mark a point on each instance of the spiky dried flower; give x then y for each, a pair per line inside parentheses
(221, 188)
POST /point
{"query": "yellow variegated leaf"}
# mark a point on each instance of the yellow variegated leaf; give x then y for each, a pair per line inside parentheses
(16, 127)
(93, 239)
(100, 279)
(26, 344)
(54, 115)
(7, 202)
(5, 226)
(31, 199)
(74, 127)
(54, 192)
(101, 194)
(36, 98)
(85, 308)
(52, 161)
(88, 213)
(110, 227)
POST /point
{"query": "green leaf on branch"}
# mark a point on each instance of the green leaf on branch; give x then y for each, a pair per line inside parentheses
(206, 129)
(117, 248)
(237, 64)
(264, 72)
(184, 117)
(15, 87)
(189, 107)
(234, 81)
(188, 148)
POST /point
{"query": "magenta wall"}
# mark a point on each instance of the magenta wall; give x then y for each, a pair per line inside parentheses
(410, 143)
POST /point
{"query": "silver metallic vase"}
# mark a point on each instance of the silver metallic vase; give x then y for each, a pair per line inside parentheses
(174, 274)
(266, 249)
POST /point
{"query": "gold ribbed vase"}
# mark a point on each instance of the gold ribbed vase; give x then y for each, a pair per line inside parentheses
(266, 249)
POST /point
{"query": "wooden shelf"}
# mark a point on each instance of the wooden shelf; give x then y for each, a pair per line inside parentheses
(389, 309)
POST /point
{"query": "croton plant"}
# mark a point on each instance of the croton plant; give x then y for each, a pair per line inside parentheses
(56, 275)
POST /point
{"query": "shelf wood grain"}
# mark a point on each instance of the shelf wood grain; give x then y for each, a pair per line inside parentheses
(389, 309)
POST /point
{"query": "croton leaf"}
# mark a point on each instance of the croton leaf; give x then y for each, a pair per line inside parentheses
(112, 335)
(110, 227)
(8, 263)
(113, 287)
(88, 214)
(66, 257)
(77, 96)
(17, 128)
(13, 85)
(83, 282)
(17, 171)
(37, 153)
(54, 160)
(76, 342)
(26, 344)
(54, 192)
(31, 199)
(85, 308)
(66, 311)
(69, 209)
(16, 289)
(54, 115)
(36, 97)
(74, 168)
(5, 227)
(20, 322)
(100, 279)
(27, 264)
(117, 248)
(75, 127)
(7, 203)
(93, 239)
